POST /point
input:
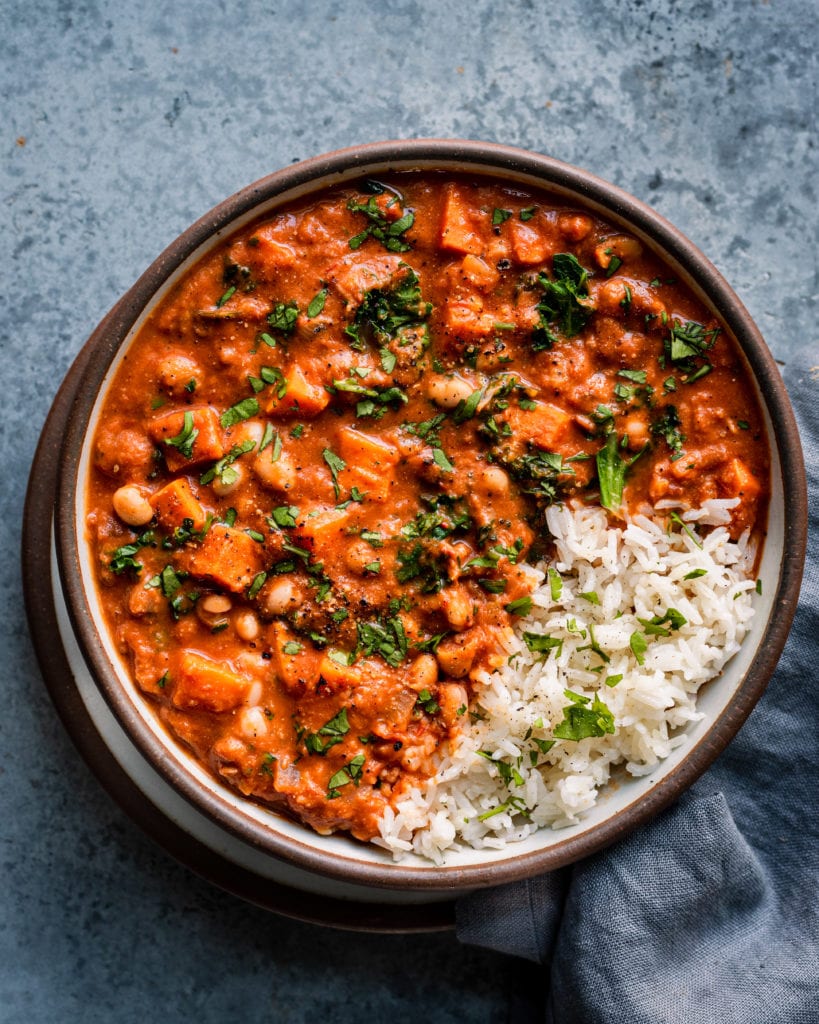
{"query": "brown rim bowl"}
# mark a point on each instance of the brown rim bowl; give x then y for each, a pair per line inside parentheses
(725, 703)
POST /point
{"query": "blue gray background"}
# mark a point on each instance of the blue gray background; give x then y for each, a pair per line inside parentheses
(123, 123)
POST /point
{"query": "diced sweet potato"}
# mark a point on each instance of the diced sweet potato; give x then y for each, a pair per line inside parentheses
(200, 682)
(353, 278)
(546, 426)
(227, 557)
(207, 443)
(370, 463)
(337, 676)
(459, 230)
(739, 481)
(295, 663)
(326, 527)
(528, 245)
(466, 319)
(303, 399)
(479, 272)
(365, 451)
(175, 503)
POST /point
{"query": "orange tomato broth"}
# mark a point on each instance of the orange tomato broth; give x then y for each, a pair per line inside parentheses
(325, 457)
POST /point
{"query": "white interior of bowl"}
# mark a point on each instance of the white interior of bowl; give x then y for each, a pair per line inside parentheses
(712, 701)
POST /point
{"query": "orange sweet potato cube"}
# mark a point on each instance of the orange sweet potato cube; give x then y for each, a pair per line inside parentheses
(740, 481)
(546, 426)
(339, 677)
(303, 399)
(206, 441)
(295, 663)
(327, 527)
(370, 462)
(227, 557)
(479, 272)
(528, 245)
(175, 503)
(200, 682)
(459, 230)
(466, 319)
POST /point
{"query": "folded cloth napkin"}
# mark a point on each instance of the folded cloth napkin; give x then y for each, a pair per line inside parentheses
(710, 913)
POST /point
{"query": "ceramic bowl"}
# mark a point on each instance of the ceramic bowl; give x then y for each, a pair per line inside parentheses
(289, 847)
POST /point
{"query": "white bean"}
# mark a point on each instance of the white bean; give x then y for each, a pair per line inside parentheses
(280, 597)
(215, 604)
(246, 625)
(448, 391)
(235, 476)
(131, 505)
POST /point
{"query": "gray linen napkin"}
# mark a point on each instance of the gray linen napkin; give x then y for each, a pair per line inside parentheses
(710, 913)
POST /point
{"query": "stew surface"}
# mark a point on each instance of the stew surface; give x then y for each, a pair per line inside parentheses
(325, 459)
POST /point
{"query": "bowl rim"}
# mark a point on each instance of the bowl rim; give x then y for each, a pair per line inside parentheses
(491, 160)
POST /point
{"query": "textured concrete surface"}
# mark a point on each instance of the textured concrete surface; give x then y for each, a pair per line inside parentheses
(121, 124)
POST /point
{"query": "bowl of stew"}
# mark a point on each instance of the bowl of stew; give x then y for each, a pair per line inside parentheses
(422, 518)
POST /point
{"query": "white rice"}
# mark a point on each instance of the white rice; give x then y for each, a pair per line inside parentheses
(637, 572)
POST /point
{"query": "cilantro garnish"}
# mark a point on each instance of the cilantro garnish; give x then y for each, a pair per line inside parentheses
(330, 734)
(387, 232)
(224, 467)
(184, 440)
(351, 772)
(565, 306)
(283, 317)
(336, 465)
(385, 638)
(581, 721)
(240, 411)
(122, 560)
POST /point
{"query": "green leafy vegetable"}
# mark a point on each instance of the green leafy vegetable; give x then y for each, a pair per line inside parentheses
(565, 306)
(224, 467)
(639, 646)
(387, 232)
(284, 516)
(351, 772)
(283, 317)
(668, 427)
(317, 304)
(386, 638)
(440, 459)
(336, 465)
(184, 440)
(241, 411)
(581, 721)
(122, 560)
(611, 472)
(542, 643)
(391, 314)
(330, 734)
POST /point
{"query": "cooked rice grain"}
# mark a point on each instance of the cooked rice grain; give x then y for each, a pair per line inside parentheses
(511, 788)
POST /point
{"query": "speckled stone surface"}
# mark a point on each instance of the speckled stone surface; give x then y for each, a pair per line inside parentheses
(123, 123)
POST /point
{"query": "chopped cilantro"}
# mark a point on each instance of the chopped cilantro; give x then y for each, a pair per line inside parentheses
(581, 721)
(565, 306)
(184, 440)
(240, 411)
(317, 304)
(521, 606)
(336, 465)
(283, 317)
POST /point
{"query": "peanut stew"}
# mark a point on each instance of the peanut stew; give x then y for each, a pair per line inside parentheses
(323, 464)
